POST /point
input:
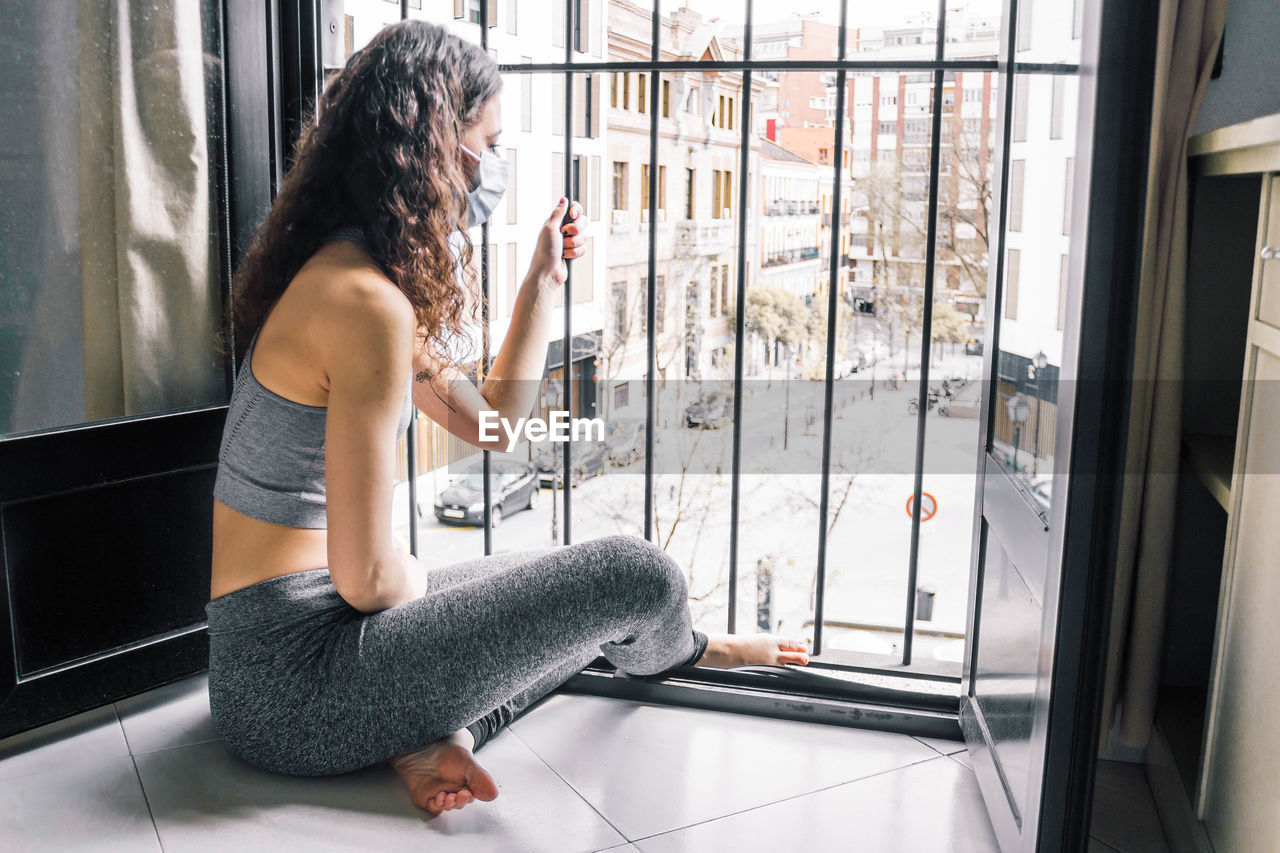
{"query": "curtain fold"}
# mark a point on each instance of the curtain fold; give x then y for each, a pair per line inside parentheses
(1188, 36)
(150, 272)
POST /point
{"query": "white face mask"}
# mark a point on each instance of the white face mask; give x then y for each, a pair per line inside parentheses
(490, 185)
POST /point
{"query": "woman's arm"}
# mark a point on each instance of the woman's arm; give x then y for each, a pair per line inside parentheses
(443, 392)
(367, 356)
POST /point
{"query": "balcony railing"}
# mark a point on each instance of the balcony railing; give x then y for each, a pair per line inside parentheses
(696, 241)
(703, 238)
(791, 256)
(792, 208)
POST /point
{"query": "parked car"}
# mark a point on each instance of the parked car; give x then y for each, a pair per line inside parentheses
(963, 403)
(913, 405)
(624, 440)
(513, 487)
(709, 410)
(588, 459)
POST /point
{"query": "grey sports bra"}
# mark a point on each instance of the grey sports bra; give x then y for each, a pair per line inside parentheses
(271, 460)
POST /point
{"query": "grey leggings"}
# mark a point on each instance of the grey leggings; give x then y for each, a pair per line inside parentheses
(302, 683)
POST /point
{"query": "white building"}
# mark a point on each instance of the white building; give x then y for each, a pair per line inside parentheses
(697, 203)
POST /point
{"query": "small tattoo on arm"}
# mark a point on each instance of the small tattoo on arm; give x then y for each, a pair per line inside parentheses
(425, 376)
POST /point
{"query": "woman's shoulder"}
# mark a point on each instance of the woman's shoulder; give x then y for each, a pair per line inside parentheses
(347, 289)
(356, 310)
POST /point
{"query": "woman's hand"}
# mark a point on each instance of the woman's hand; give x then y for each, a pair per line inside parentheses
(557, 243)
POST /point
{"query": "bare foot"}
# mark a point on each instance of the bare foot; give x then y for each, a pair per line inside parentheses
(730, 650)
(444, 775)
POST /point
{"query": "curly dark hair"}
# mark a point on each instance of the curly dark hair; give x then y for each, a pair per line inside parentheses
(382, 156)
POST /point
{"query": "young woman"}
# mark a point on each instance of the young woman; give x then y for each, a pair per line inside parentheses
(329, 649)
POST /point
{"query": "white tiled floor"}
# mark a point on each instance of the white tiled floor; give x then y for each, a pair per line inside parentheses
(576, 773)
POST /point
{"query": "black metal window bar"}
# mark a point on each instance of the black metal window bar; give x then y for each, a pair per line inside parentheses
(862, 704)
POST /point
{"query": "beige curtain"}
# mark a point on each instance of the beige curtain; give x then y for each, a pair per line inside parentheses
(1187, 41)
(149, 267)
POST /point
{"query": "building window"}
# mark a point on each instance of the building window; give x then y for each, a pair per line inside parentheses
(888, 128)
(721, 194)
(581, 26)
(1056, 107)
(724, 288)
(526, 98)
(619, 185)
(688, 193)
(666, 99)
(618, 293)
(644, 187)
(512, 274)
(512, 182)
(621, 395)
(1066, 196)
(642, 93)
(659, 310)
(593, 179)
(714, 290)
(583, 283)
(1017, 178)
(1062, 293)
(731, 113)
(1012, 267)
(586, 119)
(613, 89)
(626, 90)
(1021, 98)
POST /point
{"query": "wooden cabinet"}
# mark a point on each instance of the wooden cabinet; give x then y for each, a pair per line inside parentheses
(1241, 763)
(1214, 759)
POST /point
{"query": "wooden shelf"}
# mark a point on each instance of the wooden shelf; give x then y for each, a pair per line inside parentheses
(1212, 457)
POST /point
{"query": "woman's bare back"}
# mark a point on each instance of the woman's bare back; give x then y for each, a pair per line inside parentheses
(285, 362)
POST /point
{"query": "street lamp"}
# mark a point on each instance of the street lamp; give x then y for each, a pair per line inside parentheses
(551, 400)
(1019, 409)
(1038, 363)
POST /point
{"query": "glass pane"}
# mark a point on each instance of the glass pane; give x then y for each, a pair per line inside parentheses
(789, 230)
(974, 30)
(874, 437)
(892, 31)
(954, 391)
(112, 302)
(1031, 329)
(779, 33)
(1048, 31)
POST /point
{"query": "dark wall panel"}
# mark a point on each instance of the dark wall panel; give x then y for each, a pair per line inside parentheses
(97, 569)
(104, 561)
